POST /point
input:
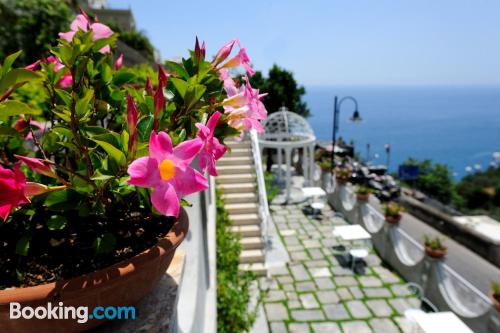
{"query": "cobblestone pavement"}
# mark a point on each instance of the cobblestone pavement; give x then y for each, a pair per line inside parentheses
(314, 293)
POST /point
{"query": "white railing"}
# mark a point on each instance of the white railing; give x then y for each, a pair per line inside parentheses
(261, 186)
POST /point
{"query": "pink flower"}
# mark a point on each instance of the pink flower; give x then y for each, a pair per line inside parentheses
(132, 118)
(159, 104)
(167, 171)
(224, 52)
(241, 59)
(12, 185)
(212, 150)
(119, 62)
(21, 124)
(99, 30)
(162, 76)
(66, 80)
(229, 84)
(39, 166)
(245, 108)
(149, 87)
(33, 66)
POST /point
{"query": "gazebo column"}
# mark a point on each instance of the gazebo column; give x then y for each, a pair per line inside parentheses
(288, 172)
(305, 165)
(311, 163)
(278, 153)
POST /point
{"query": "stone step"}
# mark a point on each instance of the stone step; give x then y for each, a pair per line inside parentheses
(238, 160)
(231, 198)
(239, 152)
(247, 230)
(252, 243)
(258, 269)
(237, 188)
(242, 208)
(238, 144)
(235, 178)
(251, 256)
(234, 169)
(245, 219)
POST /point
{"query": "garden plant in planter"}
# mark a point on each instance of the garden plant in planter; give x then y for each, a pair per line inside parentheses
(342, 175)
(495, 295)
(363, 193)
(434, 247)
(92, 178)
(392, 212)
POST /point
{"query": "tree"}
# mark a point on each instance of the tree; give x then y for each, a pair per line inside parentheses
(31, 26)
(282, 90)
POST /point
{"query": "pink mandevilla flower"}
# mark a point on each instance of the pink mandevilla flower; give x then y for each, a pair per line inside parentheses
(99, 30)
(39, 166)
(224, 52)
(241, 59)
(66, 80)
(166, 170)
(245, 108)
(12, 190)
(132, 118)
(119, 62)
(212, 150)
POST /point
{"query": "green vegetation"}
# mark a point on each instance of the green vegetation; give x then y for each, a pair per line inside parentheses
(233, 287)
(31, 26)
(282, 90)
(435, 180)
(136, 40)
(495, 287)
(271, 189)
(480, 192)
(393, 209)
(434, 243)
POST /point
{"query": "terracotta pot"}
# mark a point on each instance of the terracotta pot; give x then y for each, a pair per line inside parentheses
(496, 302)
(437, 254)
(393, 219)
(341, 180)
(122, 284)
(362, 196)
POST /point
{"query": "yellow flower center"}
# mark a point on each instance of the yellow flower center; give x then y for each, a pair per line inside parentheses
(167, 169)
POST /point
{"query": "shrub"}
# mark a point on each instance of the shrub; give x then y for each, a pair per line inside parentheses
(233, 286)
(434, 243)
(393, 209)
(271, 189)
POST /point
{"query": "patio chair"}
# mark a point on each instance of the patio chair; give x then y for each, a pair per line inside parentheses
(315, 196)
(357, 254)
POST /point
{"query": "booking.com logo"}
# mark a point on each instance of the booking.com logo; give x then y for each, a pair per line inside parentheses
(80, 313)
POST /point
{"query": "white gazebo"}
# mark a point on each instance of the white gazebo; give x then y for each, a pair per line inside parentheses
(286, 131)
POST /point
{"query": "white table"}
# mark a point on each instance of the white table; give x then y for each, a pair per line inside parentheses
(439, 322)
(310, 192)
(351, 233)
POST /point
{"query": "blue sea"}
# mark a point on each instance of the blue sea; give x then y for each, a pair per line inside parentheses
(456, 125)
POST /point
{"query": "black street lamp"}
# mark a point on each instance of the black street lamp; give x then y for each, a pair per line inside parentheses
(336, 109)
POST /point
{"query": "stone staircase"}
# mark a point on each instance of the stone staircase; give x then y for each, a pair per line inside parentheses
(238, 185)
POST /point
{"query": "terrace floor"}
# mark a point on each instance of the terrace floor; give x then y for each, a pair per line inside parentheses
(314, 293)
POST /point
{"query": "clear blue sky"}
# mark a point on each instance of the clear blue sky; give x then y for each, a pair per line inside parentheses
(333, 42)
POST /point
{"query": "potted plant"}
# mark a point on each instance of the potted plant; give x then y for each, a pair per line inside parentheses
(342, 175)
(495, 295)
(434, 247)
(92, 178)
(392, 212)
(363, 193)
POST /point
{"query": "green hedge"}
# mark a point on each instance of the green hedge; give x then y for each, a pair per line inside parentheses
(233, 287)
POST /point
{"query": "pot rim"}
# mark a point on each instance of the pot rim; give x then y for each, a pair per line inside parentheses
(96, 279)
(435, 253)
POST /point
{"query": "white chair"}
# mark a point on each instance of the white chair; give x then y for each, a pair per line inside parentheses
(316, 198)
(357, 254)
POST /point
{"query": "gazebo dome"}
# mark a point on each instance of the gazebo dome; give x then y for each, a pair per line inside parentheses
(287, 126)
(286, 132)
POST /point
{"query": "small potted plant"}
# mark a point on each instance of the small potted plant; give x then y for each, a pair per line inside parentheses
(495, 295)
(342, 175)
(363, 193)
(93, 178)
(434, 247)
(392, 212)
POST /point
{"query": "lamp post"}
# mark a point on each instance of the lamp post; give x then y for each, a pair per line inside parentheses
(336, 109)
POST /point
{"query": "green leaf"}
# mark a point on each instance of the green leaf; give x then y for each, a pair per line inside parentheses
(180, 85)
(57, 222)
(18, 75)
(82, 104)
(104, 244)
(64, 96)
(23, 245)
(8, 131)
(7, 63)
(15, 108)
(98, 175)
(62, 200)
(144, 128)
(123, 77)
(177, 68)
(117, 155)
